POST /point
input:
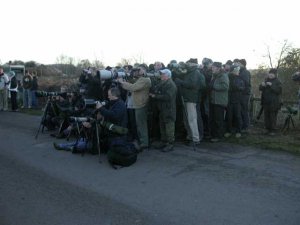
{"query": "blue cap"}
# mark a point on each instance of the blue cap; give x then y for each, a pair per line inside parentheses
(166, 72)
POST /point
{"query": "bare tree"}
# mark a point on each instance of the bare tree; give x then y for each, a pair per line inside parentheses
(97, 64)
(286, 46)
(125, 62)
(139, 58)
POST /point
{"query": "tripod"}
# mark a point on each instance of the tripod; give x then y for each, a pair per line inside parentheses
(82, 134)
(49, 105)
(288, 120)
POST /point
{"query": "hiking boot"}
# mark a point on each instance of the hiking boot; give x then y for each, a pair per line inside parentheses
(57, 146)
(193, 143)
(227, 135)
(238, 135)
(168, 148)
(158, 144)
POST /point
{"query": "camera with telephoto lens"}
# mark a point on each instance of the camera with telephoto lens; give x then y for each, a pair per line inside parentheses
(91, 103)
(49, 94)
(111, 74)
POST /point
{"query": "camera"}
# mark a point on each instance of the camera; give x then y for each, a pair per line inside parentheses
(91, 103)
(113, 74)
(49, 94)
(290, 110)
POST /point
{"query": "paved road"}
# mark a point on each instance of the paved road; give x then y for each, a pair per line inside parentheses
(217, 184)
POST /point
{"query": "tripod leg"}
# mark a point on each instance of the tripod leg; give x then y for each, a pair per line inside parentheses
(37, 134)
(98, 141)
(285, 125)
(292, 122)
(42, 121)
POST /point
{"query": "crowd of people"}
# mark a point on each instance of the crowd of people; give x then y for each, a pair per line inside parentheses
(159, 104)
(13, 89)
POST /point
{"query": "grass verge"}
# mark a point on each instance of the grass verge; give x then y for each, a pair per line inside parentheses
(289, 142)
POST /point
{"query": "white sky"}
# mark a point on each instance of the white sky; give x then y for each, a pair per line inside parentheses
(154, 30)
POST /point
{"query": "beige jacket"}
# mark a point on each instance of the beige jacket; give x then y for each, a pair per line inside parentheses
(140, 91)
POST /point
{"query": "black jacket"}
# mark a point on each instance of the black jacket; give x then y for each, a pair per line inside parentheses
(271, 95)
(246, 76)
(236, 88)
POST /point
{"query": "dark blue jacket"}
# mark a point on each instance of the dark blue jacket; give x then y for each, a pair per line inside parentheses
(115, 112)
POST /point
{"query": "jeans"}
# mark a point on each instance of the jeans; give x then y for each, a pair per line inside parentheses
(27, 98)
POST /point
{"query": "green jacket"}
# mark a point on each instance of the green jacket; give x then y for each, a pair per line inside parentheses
(219, 87)
(193, 82)
(165, 97)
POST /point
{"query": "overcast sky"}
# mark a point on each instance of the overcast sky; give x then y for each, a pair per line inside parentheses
(154, 30)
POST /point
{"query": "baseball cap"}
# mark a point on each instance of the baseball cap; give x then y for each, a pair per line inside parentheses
(166, 72)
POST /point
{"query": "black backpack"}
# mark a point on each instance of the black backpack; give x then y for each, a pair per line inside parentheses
(121, 153)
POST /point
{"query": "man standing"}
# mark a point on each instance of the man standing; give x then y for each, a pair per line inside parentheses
(4, 82)
(27, 96)
(140, 95)
(189, 90)
(271, 93)
(13, 91)
(165, 97)
(219, 87)
(245, 97)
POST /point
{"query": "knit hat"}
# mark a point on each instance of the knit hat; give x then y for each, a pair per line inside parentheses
(206, 61)
(193, 60)
(229, 62)
(217, 64)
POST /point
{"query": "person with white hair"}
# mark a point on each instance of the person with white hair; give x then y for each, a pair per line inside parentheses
(165, 96)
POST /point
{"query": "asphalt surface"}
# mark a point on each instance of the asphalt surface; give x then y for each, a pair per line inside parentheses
(217, 184)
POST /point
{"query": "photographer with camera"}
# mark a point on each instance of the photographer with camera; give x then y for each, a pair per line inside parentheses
(271, 100)
(115, 110)
(111, 114)
(165, 97)
(140, 95)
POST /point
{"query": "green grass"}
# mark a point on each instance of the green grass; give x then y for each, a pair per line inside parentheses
(289, 142)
